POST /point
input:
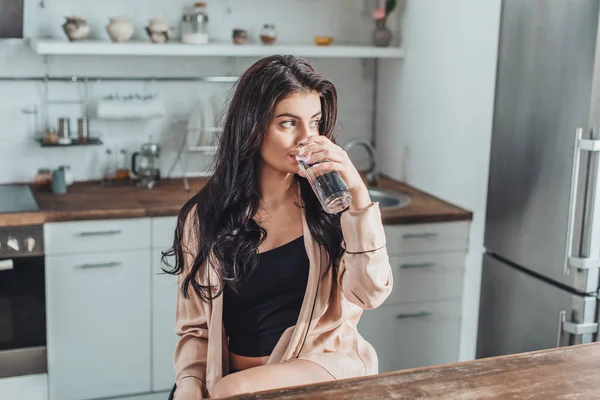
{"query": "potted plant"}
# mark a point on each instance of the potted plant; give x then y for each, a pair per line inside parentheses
(382, 36)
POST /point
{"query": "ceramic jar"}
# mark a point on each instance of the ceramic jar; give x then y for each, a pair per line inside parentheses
(240, 36)
(76, 28)
(120, 29)
(382, 37)
(158, 30)
(268, 34)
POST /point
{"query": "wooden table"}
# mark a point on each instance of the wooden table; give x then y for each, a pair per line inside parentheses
(565, 373)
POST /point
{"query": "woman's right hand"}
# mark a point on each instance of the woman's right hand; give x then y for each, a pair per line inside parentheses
(189, 389)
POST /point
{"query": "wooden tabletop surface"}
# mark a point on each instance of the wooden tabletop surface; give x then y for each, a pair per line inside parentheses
(91, 200)
(564, 373)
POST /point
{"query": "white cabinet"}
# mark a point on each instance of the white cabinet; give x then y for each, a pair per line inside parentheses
(426, 277)
(419, 323)
(98, 314)
(93, 236)
(427, 238)
(164, 296)
(110, 309)
(413, 335)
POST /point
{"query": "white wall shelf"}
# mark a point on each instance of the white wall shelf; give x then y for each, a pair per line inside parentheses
(106, 48)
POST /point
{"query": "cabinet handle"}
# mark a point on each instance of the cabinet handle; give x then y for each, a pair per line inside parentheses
(418, 265)
(100, 265)
(6, 265)
(426, 235)
(420, 314)
(101, 233)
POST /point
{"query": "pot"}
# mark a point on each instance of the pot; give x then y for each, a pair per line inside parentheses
(76, 28)
(120, 29)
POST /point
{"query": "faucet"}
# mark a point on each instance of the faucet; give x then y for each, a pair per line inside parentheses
(373, 173)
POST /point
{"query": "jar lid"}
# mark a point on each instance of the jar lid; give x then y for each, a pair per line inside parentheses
(199, 4)
(150, 148)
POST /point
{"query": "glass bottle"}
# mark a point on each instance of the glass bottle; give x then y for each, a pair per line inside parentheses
(123, 168)
(109, 166)
(268, 34)
(194, 25)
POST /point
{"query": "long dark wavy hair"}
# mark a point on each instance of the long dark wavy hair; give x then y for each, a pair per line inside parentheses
(223, 210)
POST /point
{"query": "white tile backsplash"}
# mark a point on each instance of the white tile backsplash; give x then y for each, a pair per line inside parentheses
(297, 21)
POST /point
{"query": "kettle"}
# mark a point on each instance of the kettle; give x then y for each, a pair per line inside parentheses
(144, 164)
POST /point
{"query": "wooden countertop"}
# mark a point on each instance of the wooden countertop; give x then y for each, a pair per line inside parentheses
(565, 373)
(91, 200)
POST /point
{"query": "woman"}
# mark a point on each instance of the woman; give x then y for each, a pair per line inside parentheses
(272, 287)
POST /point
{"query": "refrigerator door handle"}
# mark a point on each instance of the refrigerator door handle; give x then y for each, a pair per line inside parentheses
(561, 320)
(573, 328)
(571, 260)
(572, 200)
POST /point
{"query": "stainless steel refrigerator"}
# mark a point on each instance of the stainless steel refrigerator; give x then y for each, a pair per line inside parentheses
(540, 273)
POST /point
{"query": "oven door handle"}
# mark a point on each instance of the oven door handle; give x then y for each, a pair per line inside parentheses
(6, 265)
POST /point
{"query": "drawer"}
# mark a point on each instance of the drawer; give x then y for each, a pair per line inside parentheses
(426, 277)
(415, 335)
(427, 238)
(163, 232)
(96, 236)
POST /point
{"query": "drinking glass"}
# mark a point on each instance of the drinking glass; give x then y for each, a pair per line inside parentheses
(329, 188)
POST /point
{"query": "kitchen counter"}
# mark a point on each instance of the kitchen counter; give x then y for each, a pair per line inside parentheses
(567, 372)
(91, 201)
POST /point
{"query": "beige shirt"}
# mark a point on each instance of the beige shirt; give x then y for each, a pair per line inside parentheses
(326, 330)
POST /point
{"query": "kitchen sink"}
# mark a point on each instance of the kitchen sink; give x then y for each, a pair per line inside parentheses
(388, 199)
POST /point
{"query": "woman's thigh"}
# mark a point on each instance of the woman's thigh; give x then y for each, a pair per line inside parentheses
(272, 376)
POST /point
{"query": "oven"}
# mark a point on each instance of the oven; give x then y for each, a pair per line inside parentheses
(22, 301)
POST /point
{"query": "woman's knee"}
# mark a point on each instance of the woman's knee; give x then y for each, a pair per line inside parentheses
(231, 385)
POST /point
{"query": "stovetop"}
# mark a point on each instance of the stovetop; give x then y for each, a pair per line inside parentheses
(17, 198)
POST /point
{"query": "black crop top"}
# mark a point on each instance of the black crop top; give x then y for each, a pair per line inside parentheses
(269, 300)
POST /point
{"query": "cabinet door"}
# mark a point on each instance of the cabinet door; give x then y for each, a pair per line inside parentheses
(427, 238)
(164, 339)
(84, 237)
(414, 335)
(98, 317)
(426, 277)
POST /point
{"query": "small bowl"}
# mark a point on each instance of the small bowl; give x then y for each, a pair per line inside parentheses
(323, 40)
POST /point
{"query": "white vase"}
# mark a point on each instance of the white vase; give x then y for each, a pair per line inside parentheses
(76, 28)
(120, 29)
(158, 30)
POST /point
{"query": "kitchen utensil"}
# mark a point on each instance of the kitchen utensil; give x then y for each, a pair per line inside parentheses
(83, 130)
(145, 164)
(64, 132)
(59, 183)
(68, 174)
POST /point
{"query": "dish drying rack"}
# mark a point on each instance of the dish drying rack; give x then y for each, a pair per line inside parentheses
(204, 142)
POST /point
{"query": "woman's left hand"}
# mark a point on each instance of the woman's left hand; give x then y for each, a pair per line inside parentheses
(327, 157)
